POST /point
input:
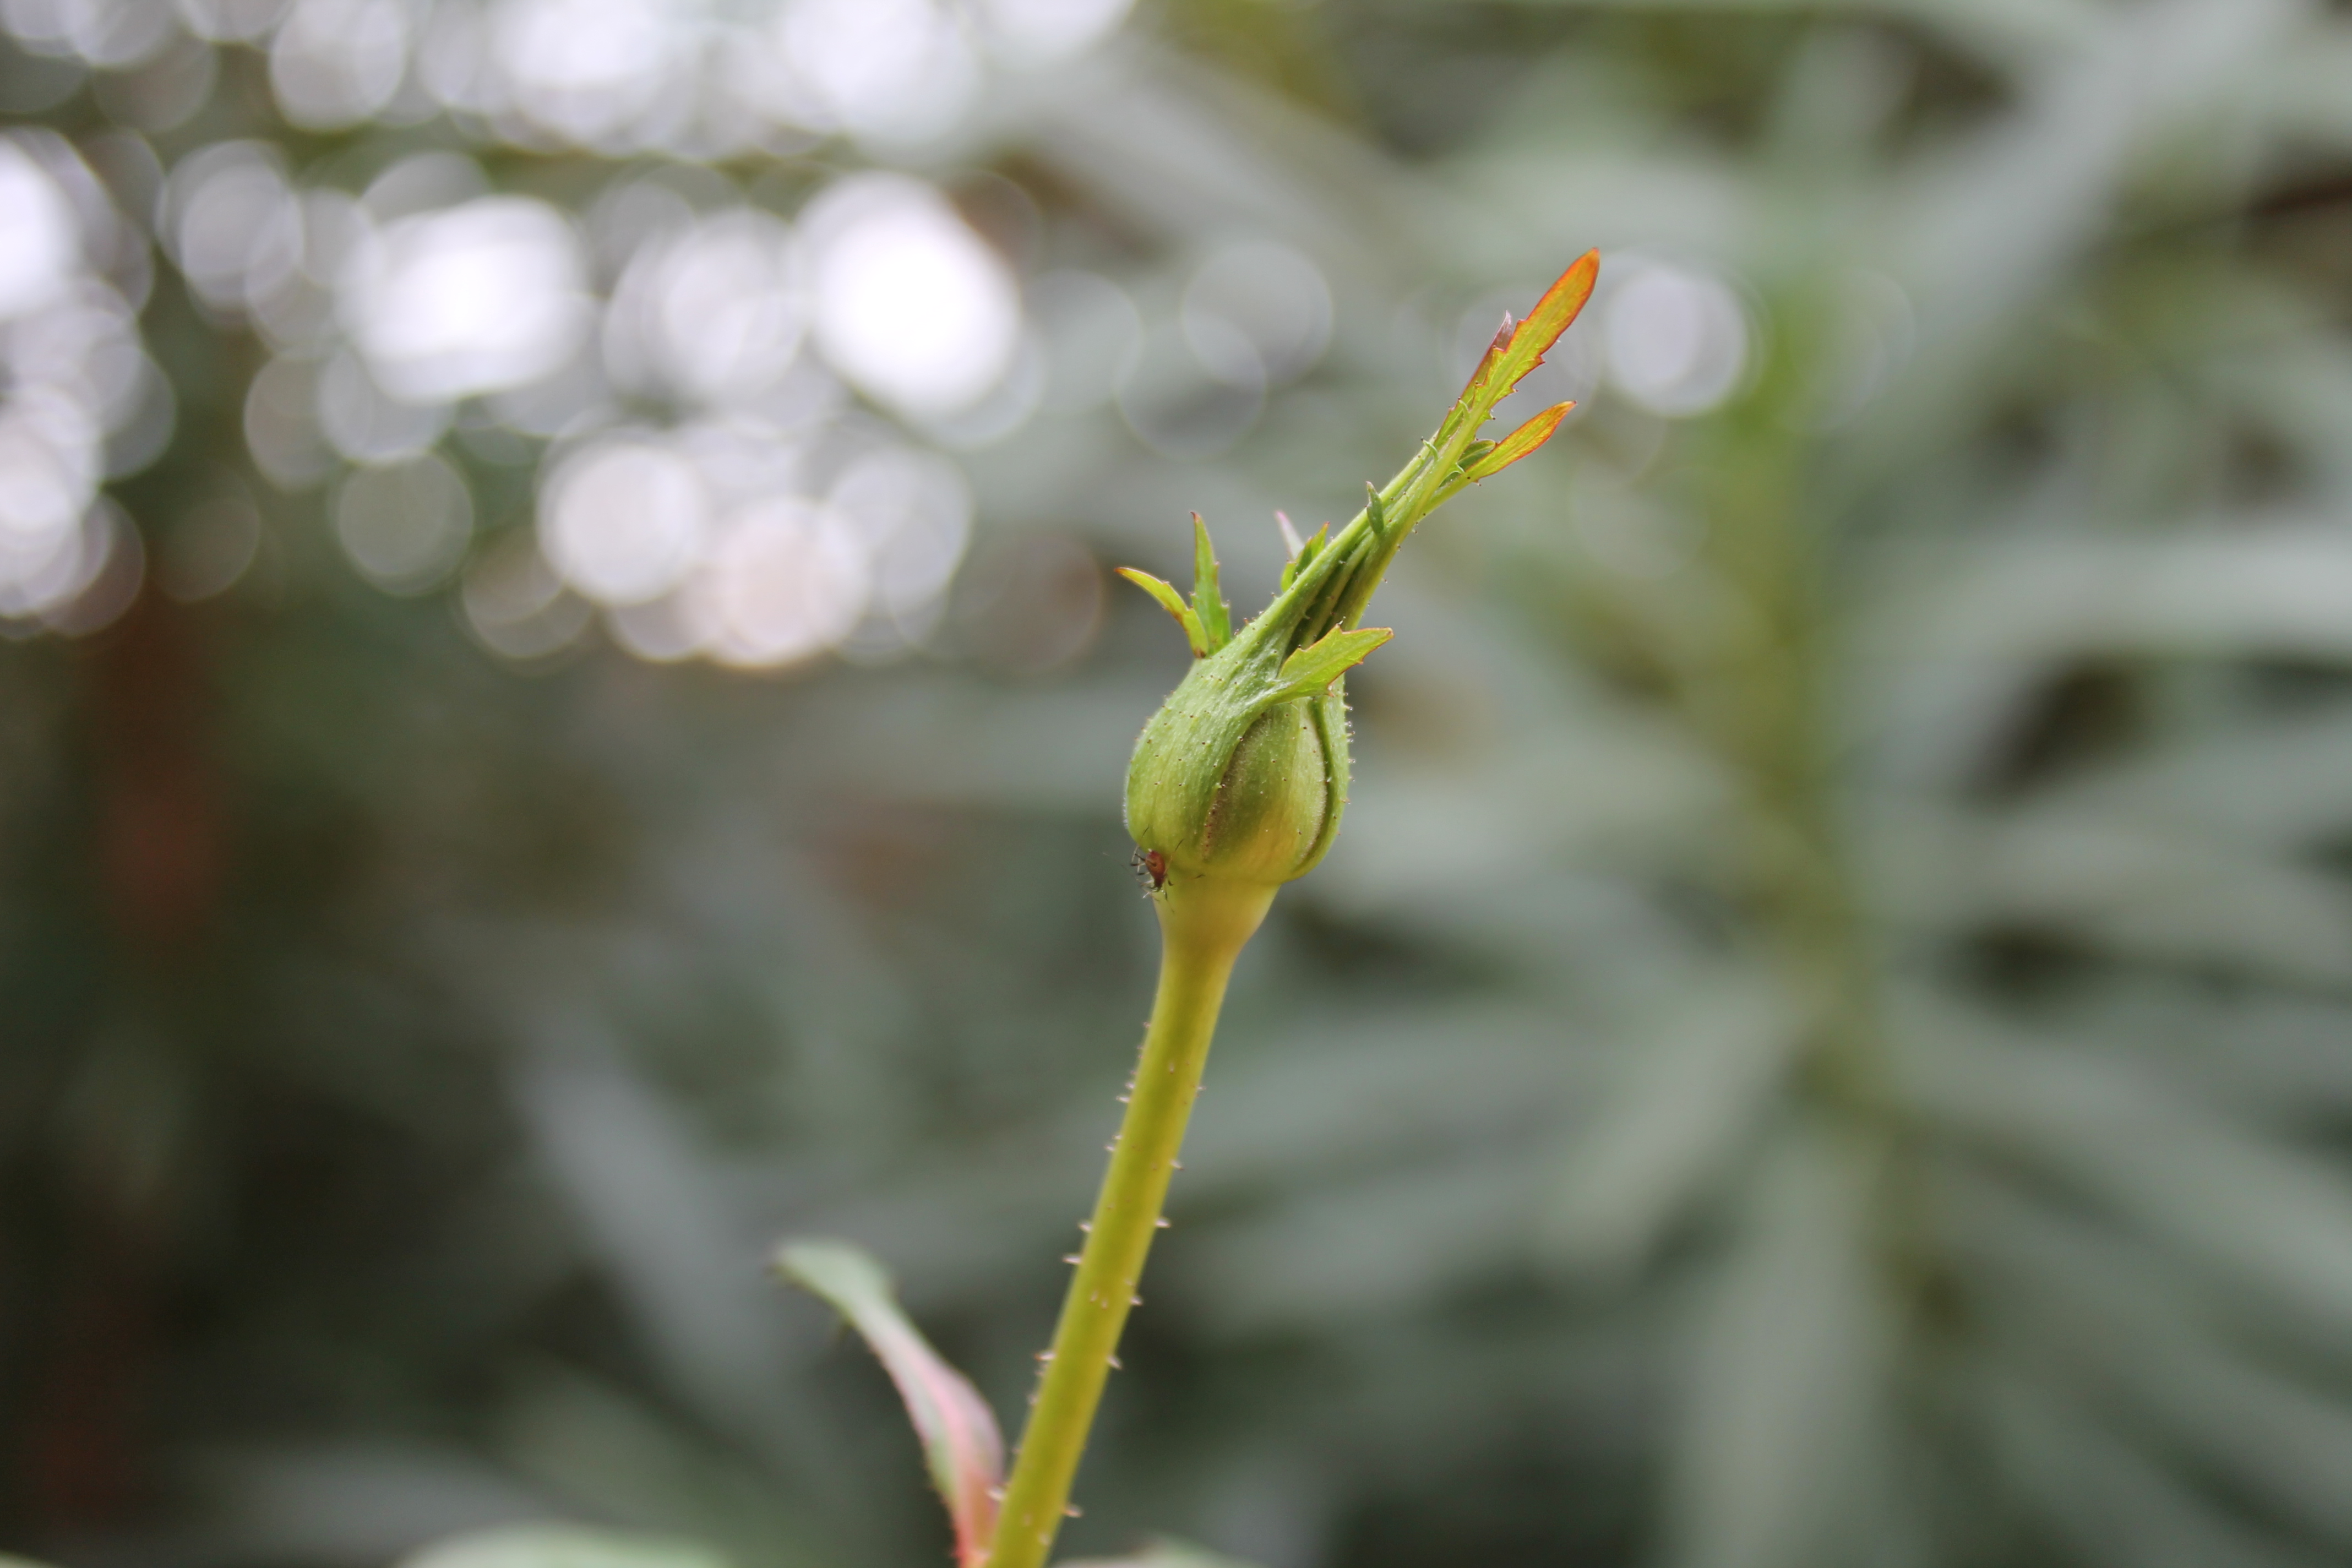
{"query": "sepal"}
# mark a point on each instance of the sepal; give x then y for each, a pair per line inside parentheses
(1311, 670)
(1174, 603)
(1207, 620)
(1208, 603)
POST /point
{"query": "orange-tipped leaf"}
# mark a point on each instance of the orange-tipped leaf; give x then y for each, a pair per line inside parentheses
(1517, 444)
(962, 1447)
(1506, 363)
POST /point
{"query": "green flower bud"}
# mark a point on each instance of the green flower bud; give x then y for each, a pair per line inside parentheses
(1229, 782)
(1243, 772)
(1241, 775)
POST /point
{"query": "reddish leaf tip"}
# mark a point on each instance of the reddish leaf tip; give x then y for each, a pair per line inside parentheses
(1560, 305)
(962, 1447)
(1521, 346)
(1519, 444)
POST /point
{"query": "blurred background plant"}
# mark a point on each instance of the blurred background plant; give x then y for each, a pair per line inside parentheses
(561, 720)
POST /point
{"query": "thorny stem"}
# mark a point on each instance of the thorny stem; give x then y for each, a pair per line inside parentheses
(1204, 925)
(1205, 921)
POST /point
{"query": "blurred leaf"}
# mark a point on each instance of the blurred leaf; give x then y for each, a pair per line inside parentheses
(961, 1444)
(1795, 1341)
(1161, 1554)
(2106, 1322)
(359, 1503)
(2108, 1503)
(2271, 1222)
(663, 1226)
(1678, 1116)
(627, 1460)
(562, 1546)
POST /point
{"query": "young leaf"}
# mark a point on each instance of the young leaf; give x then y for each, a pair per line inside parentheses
(1502, 453)
(1174, 603)
(1208, 603)
(1506, 363)
(550, 1546)
(1291, 543)
(960, 1443)
(1303, 555)
(1315, 667)
(1163, 1554)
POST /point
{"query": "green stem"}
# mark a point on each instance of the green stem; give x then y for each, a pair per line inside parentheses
(1204, 925)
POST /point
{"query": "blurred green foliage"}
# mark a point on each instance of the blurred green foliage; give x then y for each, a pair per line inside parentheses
(1824, 1039)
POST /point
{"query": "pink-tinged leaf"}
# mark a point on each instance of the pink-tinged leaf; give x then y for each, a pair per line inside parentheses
(1163, 1554)
(1517, 444)
(1506, 360)
(962, 1447)
(548, 1546)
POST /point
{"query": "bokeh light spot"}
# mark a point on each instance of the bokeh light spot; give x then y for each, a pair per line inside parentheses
(589, 69)
(404, 526)
(1677, 340)
(210, 550)
(786, 580)
(911, 512)
(624, 520)
(487, 294)
(1045, 31)
(1091, 331)
(338, 62)
(1190, 404)
(515, 605)
(896, 70)
(43, 244)
(232, 223)
(1264, 296)
(911, 306)
(716, 313)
